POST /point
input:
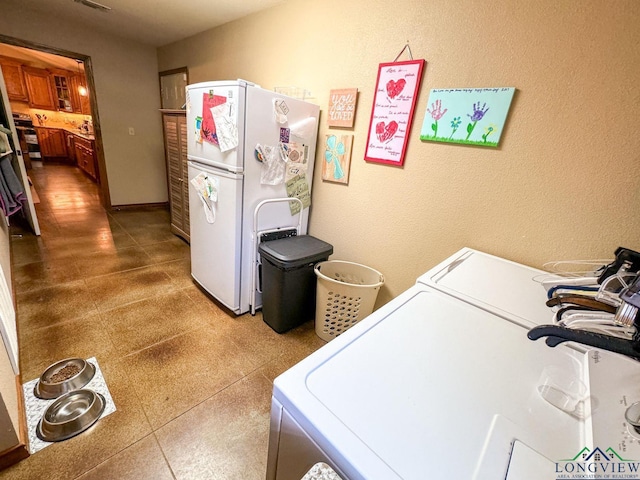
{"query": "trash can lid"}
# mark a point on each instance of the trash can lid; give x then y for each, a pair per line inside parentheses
(295, 251)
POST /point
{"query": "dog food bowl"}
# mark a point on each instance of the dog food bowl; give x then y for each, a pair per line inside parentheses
(63, 377)
(71, 414)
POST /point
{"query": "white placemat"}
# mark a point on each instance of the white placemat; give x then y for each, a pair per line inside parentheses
(36, 406)
(321, 471)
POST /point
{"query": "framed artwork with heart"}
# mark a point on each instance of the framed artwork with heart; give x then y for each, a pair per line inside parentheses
(392, 112)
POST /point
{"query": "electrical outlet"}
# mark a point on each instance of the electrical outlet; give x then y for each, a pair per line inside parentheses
(131, 131)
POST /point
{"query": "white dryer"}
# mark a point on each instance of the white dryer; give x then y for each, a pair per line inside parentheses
(508, 289)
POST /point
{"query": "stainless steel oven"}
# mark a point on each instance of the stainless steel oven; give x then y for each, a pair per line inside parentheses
(27, 136)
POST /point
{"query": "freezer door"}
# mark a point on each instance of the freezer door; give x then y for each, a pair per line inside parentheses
(215, 239)
(201, 130)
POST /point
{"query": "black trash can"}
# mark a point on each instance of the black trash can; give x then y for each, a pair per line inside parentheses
(288, 279)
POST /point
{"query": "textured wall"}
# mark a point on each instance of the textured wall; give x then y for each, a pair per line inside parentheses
(127, 91)
(8, 388)
(563, 184)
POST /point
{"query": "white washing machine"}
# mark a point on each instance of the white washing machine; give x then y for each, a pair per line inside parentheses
(434, 387)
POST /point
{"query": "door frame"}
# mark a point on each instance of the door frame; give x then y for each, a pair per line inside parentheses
(103, 183)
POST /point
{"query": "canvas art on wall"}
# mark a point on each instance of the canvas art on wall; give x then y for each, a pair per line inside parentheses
(471, 116)
(342, 107)
(337, 156)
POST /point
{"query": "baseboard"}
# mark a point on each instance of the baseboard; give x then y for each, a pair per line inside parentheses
(20, 450)
(140, 206)
(13, 456)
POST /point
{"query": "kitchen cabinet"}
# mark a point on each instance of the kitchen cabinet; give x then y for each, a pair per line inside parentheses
(70, 144)
(14, 79)
(62, 89)
(38, 83)
(85, 156)
(52, 142)
(81, 103)
(175, 145)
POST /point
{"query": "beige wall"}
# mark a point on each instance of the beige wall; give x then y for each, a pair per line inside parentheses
(564, 183)
(8, 384)
(8, 387)
(127, 91)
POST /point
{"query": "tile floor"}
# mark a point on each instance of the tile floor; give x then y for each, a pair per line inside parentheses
(191, 382)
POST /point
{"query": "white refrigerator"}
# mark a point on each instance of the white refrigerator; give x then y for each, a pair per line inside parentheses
(245, 144)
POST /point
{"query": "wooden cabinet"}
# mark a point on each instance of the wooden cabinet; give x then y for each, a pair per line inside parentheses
(52, 142)
(81, 103)
(175, 145)
(69, 139)
(47, 89)
(61, 86)
(14, 79)
(85, 156)
(38, 83)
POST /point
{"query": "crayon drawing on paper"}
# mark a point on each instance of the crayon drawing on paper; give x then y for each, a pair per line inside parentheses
(471, 116)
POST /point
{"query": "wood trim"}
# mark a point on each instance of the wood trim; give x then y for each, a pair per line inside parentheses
(174, 71)
(178, 232)
(105, 196)
(23, 433)
(137, 206)
(20, 451)
(41, 47)
(13, 456)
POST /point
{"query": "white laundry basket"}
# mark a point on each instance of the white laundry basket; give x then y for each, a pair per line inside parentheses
(346, 293)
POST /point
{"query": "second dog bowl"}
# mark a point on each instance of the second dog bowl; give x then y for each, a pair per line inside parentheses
(71, 414)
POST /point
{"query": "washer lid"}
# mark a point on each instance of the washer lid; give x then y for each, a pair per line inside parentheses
(412, 390)
(495, 284)
(527, 464)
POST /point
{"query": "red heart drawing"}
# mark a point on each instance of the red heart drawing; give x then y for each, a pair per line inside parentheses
(386, 132)
(394, 88)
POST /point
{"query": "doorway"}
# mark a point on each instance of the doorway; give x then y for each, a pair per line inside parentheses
(74, 107)
(172, 88)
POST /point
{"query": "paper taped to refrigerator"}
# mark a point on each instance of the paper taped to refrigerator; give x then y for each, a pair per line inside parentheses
(208, 131)
(280, 110)
(296, 158)
(207, 191)
(273, 165)
(226, 129)
(298, 187)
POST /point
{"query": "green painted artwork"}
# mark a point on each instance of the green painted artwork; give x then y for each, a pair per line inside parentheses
(471, 116)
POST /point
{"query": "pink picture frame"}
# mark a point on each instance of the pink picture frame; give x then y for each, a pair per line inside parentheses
(392, 112)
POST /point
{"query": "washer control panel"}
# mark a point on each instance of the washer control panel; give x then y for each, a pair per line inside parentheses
(614, 390)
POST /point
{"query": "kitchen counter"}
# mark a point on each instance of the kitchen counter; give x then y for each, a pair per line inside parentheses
(69, 129)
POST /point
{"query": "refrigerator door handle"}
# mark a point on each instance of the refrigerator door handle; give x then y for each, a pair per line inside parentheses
(215, 171)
